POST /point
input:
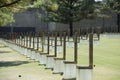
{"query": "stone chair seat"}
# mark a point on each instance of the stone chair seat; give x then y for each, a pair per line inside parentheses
(38, 51)
(56, 58)
(50, 55)
(69, 62)
(25, 47)
(43, 53)
(84, 67)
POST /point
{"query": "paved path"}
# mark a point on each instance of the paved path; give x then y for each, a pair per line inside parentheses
(15, 66)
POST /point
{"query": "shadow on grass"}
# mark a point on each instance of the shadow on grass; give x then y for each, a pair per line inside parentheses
(5, 52)
(12, 63)
(3, 46)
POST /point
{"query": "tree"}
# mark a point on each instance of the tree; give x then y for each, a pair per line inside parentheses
(70, 11)
(114, 7)
(8, 3)
(111, 5)
(9, 7)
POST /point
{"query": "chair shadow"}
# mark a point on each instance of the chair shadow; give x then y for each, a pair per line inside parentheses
(3, 46)
(5, 51)
(12, 63)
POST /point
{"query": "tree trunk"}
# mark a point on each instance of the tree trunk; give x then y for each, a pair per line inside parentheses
(118, 22)
(71, 28)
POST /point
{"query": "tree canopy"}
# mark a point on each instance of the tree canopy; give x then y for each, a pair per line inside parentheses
(9, 7)
(110, 5)
(61, 11)
(113, 5)
(69, 11)
(64, 11)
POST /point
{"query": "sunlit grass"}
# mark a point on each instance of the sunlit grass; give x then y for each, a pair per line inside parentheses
(106, 58)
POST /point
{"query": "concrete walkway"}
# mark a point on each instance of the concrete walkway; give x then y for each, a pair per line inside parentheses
(14, 66)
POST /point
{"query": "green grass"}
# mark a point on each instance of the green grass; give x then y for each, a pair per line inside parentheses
(13, 64)
(106, 59)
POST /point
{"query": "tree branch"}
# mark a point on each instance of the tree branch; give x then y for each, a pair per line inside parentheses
(9, 4)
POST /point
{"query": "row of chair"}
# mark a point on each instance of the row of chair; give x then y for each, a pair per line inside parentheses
(49, 49)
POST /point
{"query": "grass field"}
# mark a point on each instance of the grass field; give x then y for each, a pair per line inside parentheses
(106, 61)
(106, 58)
(13, 64)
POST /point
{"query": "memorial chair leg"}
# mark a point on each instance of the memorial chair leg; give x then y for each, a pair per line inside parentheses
(32, 54)
(20, 50)
(25, 52)
(69, 71)
(38, 57)
(58, 67)
(84, 74)
(49, 62)
(35, 56)
(29, 53)
(43, 59)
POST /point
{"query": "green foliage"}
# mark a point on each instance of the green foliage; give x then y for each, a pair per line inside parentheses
(6, 16)
(38, 3)
(9, 8)
(69, 11)
(41, 4)
(112, 6)
(66, 11)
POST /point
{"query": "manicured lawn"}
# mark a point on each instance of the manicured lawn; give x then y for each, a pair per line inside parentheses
(106, 58)
(13, 64)
(106, 61)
